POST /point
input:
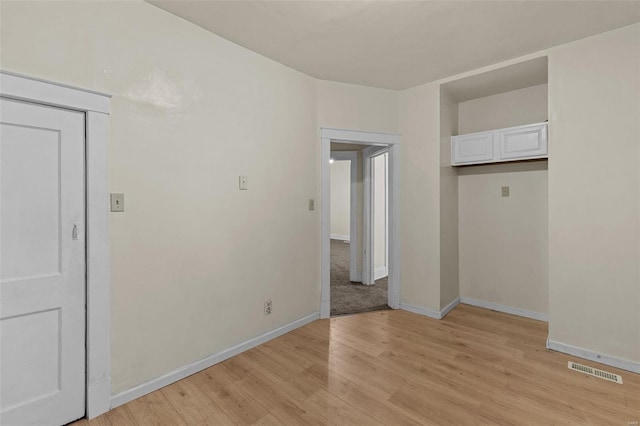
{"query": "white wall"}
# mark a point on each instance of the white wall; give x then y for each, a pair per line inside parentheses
(594, 193)
(193, 258)
(449, 262)
(380, 215)
(349, 106)
(340, 199)
(419, 117)
(503, 241)
(514, 108)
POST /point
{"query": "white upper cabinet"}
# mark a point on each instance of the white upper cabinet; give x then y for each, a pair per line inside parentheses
(523, 141)
(510, 144)
(473, 148)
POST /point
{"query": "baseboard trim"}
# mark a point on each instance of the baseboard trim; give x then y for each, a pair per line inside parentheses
(379, 272)
(590, 355)
(430, 312)
(341, 237)
(187, 370)
(444, 311)
(420, 310)
(506, 309)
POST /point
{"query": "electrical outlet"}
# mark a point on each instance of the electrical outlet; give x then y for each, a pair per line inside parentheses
(312, 204)
(505, 191)
(268, 307)
(244, 183)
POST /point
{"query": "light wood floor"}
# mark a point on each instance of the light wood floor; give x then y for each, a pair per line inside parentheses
(393, 367)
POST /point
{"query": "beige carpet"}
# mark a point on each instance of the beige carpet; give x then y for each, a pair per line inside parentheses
(348, 297)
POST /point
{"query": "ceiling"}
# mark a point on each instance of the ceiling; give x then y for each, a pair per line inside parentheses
(400, 44)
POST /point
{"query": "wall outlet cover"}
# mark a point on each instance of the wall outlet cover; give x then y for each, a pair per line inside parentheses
(244, 183)
(117, 202)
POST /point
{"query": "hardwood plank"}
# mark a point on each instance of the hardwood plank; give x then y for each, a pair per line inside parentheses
(154, 409)
(118, 416)
(194, 406)
(337, 411)
(393, 367)
(240, 406)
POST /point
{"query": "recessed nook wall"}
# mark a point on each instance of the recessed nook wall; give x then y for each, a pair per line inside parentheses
(502, 241)
(449, 262)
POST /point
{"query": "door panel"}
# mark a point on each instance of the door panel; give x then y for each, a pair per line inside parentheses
(34, 245)
(42, 265)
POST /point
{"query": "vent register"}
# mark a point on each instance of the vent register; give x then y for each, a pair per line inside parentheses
(605, 375)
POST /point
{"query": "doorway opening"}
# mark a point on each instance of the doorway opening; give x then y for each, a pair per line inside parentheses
(360, 259)
(358, 249)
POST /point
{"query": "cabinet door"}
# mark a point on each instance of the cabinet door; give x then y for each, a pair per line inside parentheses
(523, 142)
(472, 148)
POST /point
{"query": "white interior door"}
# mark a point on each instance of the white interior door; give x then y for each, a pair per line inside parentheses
(380, 214)
(42, 264)
(369, 228)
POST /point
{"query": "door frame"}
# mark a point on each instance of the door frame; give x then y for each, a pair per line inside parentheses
(368, 253)
(327, 135)
(354, 240)
(96, 107)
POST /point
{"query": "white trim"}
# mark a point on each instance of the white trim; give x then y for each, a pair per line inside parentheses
(352, 156)
(325, 228)
(393, 223)
(368, 138)
(341, 237)
(325, 309)
(386, 211)
(31, 89)
(379, 272)
(96, 107)
(613, 361)
(420, 310)
(367, 218)
(98, 264)
(506, 309)
(444, 311)
(100, 400)
(187, 370)
(365, 138)
(430, 312)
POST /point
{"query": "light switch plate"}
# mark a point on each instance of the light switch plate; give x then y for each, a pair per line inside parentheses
(117, 202)
(505, 191)
(312, 204)
(244, 184)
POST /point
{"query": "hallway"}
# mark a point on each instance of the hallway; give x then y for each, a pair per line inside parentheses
(348, 297)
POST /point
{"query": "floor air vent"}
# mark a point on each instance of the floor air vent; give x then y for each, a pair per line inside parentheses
(595, 372)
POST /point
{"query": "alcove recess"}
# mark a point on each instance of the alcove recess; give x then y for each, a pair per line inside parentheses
(494, 247)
